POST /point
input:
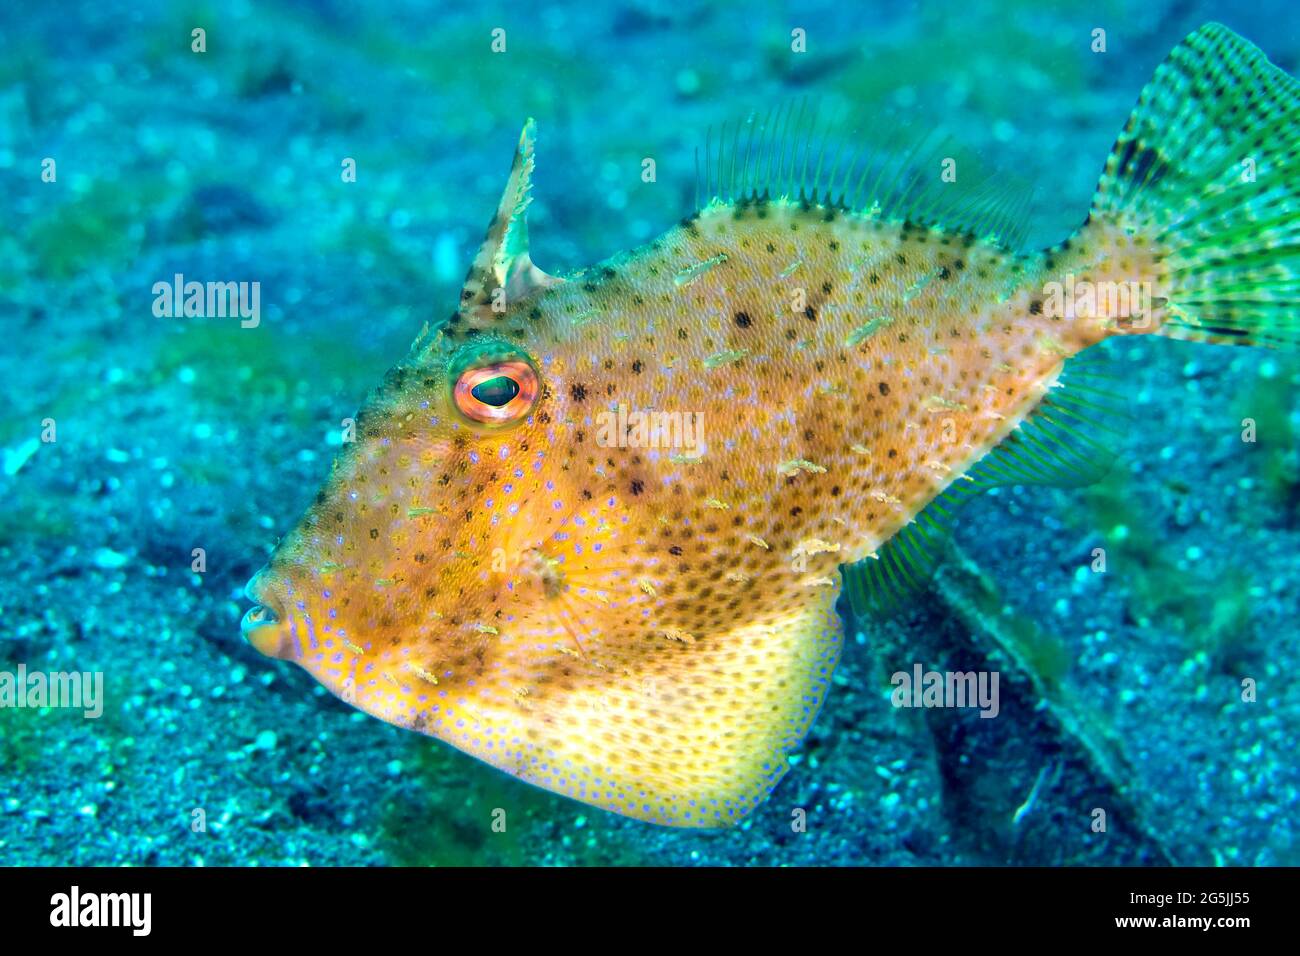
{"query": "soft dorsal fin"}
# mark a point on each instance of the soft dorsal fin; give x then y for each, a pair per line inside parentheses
(887, 166)
(502, 272)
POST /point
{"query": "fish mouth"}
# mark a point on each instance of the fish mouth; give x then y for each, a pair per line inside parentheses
(263, 625)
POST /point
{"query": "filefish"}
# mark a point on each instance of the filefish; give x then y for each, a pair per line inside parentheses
(523, 555)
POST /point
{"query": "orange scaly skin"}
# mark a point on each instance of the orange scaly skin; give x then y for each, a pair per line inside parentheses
(652, 629)
(627, 626)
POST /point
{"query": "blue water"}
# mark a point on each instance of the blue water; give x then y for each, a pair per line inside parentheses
(127, 157)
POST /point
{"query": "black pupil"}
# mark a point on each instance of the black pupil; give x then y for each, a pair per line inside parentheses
(496, 391)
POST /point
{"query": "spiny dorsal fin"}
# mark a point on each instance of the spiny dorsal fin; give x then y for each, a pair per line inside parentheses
(503, 273)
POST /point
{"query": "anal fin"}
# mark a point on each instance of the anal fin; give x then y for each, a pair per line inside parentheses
(1069, 440)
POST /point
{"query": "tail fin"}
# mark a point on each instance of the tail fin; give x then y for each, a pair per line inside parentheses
(1207, 169)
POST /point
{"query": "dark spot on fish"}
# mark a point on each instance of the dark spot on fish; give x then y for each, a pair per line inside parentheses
(637, 367)
(884, 388)
(1036, 307)
(579, 392)
(638, 486)
(743, 320)
(811, 313)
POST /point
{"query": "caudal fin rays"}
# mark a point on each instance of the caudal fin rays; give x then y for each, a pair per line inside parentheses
(1207, 171)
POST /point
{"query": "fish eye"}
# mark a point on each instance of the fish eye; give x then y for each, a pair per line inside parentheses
(497, 393)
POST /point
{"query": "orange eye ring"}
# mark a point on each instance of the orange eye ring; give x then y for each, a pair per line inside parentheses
(497, 394)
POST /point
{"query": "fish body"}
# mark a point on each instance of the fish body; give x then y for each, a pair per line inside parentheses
(593, 529)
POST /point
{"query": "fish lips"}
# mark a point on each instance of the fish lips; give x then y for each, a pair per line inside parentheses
(264, 625)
